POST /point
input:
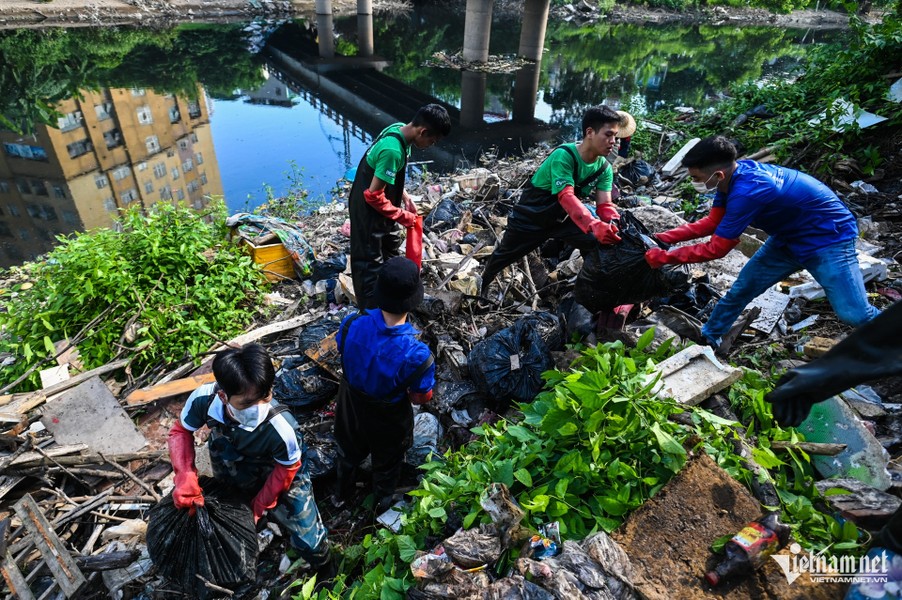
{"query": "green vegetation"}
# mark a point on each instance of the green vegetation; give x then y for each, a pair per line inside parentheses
(591, 448)
(40, 68)
(163, 289)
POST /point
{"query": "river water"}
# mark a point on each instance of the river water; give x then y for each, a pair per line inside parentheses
(96, 120)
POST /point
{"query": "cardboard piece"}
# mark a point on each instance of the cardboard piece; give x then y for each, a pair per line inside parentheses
(90, 414)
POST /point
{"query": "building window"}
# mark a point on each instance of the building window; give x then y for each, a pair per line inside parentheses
(183, 144)
(103, 111)
(70, 121)
(79, 148)
(199, 158)
(129, 195)
(120, 173)
(5, 231)
(142, 166)
(179, 194)
(159, 170)
(193, 137)
(112, 138)
(23, 186)
(38, 188)
(70, 217)
(59, 192)
(188, 165)
(203, 178)
(145, 117)
(27, 152)
(13, 210)
(138, 91)
(153, 144)
(109, 204)
(175, 173)
(198, 204)
(148, 186)
(165, 193)
(101, 181)
(41, 211)
(24, 235)
(174, 115)
(194, 110)
(4, 187)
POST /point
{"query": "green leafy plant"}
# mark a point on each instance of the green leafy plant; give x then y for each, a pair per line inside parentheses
(163, 288)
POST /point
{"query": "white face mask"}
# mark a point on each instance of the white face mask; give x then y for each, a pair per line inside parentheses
(248, 417)
(702, 186)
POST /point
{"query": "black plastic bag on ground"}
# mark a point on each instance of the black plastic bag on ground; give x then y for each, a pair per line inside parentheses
(218, 543)
(618, 274)
(329, 268)
(638, 172)
(303, 385)
(445, 215)
(576, 320)
(509, 364)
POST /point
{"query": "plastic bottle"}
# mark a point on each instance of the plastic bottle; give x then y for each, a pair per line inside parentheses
(750, 547)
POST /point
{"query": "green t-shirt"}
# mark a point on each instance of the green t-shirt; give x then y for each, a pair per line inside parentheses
(556, 172)
(388, 155)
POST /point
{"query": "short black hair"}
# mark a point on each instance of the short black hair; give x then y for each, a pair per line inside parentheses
(596, 116)
(714, 151)
(245, 369)
(434, 118)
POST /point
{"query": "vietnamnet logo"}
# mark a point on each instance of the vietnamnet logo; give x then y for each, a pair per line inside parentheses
(872, 568)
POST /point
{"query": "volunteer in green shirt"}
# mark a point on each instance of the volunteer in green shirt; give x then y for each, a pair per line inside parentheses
(550, 205)
(378, 202)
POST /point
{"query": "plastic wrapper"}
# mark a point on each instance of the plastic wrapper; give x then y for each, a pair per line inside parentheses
(473, 548)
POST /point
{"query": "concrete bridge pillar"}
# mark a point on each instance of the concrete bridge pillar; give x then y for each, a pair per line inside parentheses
(325, 37)
(532, 32)
(477, 30)
(526, 92)
(472, 99)
(365, 27)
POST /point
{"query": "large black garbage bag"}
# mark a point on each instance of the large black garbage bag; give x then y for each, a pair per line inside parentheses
(638, 172)
(618, 274)
(303, 385)
(509, 364)
(445, 215)
(329, 268)
(219, 543)
(576, 320)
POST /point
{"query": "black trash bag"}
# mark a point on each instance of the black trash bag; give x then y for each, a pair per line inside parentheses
(445, 215)
(509, 364)
(313, 334)
(549, 328)
(618, 274)
(578, 323)
(638, 172)
(219, 543)
(303, 385)
(319, 453)
(329, 268)
(698, 300)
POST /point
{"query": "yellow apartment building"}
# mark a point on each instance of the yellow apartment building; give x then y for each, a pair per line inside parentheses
(114, 149)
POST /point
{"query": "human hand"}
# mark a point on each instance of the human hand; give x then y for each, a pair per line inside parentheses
(188, 494)
(790, 407)
(605, 233)
(607, 212)
(409, 205)
(407, 219)
(656, 257)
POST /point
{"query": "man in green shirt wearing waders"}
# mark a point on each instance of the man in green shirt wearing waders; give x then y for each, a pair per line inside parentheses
(378, 200)
(550, 205)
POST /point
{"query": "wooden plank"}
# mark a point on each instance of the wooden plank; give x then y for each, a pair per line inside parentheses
(325, 354)
(14, 580)
(22, 403)
(168, 389)
(65, 572)
(278, 327)
(34, 459)
(28, 457)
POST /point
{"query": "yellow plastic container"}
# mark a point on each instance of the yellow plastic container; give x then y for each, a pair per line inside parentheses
(274, 259)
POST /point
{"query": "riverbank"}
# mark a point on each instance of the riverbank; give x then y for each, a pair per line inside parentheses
(74, 13)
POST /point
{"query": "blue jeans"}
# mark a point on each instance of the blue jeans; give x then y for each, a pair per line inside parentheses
(835, 268)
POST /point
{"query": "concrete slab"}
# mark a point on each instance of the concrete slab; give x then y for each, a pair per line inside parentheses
(772, 304)
(867, 506)
(872, 269)
(692, 375)
(832, 421)
(90, 414)
(676, 162)
(865, 401)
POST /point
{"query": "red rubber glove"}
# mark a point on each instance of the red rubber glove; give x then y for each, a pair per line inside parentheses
(607, 211)
(278, 481)
(693, 231)
(717, 247)
(187, 492)
(420, 398)
(582, 218)
(384, 207)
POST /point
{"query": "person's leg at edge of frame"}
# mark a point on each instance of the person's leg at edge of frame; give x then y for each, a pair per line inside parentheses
(768, 266)
(351, 446)
(392, 434)
(302, 519)
(836, 269)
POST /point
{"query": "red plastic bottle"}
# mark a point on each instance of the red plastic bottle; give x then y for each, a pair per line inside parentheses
(750, 547)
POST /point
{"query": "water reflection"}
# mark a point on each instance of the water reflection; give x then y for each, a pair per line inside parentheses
(109, 119)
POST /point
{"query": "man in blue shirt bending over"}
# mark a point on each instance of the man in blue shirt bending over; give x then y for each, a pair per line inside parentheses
(386, 369)
(809, 228)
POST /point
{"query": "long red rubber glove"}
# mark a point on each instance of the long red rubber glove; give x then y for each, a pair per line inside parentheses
(606, 233)
(384, 207)
(607, 212)
(693, 231)
(278, 481)
(187, 492)
(414, 245)
(420, 397)
(717, 247)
